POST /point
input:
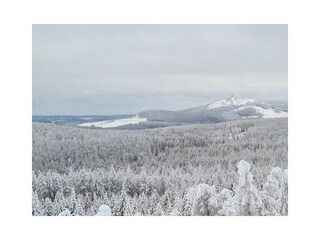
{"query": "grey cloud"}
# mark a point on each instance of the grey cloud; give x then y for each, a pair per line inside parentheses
(110, 69)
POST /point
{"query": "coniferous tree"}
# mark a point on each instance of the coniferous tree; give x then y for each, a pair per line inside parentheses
(48, 207)
(37, 208)
(59, 203)
(122, 202)
(284, 192)
(128, 211)
(153, 202)
(78, 209)
(247, 201)
(187, 207)
(71, 204)
(205, 200)
(158, 210)
(143, 205)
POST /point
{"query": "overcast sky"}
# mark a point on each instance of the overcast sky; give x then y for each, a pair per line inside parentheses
(113, 69)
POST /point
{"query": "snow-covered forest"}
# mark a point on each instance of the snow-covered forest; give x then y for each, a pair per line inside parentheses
(232, 168)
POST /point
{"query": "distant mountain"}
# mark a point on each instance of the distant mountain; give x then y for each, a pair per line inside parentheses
(229, 109)
(233, 108)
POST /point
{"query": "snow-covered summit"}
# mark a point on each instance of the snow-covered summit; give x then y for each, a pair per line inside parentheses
(247, 108)
(232, 101)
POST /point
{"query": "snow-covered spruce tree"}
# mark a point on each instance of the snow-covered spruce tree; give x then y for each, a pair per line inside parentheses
(223, 196)
(37, 208)
(122, 203)
(153, 201)
(48, 207)
(177, 206)
(53, 184)
(128, 211)
(96, 203)
(284, 191)
(246, 201)
(158, 210)
(59, 203)
(187, 207)
(87, 203)
(79, 210)
(166, 204)
(129, 183)
(112, 186)
(115, 204)
(275, 192)
(91, 211)
(134, 205)
(271, 194)
(144, 205)
(71, 201)
(143, 181)
(204, 200)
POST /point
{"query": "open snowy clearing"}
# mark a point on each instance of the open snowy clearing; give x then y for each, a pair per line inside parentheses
(114, 123)
(267, 113)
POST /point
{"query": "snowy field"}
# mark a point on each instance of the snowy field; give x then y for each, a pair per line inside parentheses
(266, 113)
(114, 123)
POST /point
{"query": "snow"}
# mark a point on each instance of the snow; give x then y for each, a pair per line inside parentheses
(249, 116)
(104, 210)
(65, 212)
(233, 101)
(266, 112)
(236, 136)
(243, 167)
(114, 123)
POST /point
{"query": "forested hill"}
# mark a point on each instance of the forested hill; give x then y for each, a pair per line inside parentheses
(229, 109)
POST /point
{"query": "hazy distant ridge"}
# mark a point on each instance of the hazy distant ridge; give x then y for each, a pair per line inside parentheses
(233, 108)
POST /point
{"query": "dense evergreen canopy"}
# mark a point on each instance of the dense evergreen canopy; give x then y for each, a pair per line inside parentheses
(185, 170)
